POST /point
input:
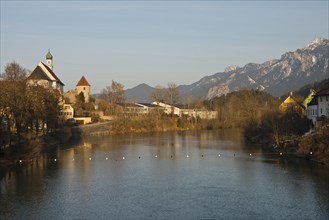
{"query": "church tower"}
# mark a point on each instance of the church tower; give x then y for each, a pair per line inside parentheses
(83, 86)
(49, 60)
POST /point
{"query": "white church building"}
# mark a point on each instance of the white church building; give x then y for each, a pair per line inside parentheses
(43, 75)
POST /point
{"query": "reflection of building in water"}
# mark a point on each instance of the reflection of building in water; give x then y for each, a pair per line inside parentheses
(68, 158)
(86, 144)
(84, 150)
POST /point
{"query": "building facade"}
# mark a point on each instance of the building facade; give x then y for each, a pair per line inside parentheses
(312, 110)
(323, 101)
(67, 111)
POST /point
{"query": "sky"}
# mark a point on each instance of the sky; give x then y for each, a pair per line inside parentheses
(154, 42)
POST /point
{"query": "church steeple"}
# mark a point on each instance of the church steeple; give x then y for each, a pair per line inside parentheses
(49, 60)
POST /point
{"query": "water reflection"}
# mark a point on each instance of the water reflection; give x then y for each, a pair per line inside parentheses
(81, 183)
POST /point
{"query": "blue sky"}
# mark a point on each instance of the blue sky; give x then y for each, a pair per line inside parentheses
(154, 42)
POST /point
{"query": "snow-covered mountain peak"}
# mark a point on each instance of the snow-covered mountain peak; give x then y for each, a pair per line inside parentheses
(230, 68)
(316, 42)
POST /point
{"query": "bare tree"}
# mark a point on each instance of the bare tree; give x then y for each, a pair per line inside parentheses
(115, 93)
(14, 72)
(158, 94)
(172, 94)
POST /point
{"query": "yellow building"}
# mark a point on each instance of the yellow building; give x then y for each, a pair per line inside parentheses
(292, 103)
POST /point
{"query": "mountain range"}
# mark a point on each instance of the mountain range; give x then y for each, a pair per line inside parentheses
(277, 77)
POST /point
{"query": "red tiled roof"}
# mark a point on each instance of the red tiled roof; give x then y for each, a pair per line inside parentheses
(83, 82)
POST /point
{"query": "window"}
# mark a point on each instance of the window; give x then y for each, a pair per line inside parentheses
(84, 88)
(320, 98)
(327, 98)
(320, 111)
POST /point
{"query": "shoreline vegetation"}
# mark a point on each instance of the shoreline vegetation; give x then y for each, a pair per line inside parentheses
(29, 149)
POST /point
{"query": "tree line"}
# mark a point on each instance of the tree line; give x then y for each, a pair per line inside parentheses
(258, 114)
(25, 110)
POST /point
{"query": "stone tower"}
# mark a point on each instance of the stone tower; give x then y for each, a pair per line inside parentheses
(84, 87)
(49, 60)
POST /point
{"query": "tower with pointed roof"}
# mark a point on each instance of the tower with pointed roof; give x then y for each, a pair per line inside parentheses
(83, 86)
(49, 60)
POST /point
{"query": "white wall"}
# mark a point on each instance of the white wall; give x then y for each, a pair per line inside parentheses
(323, 105)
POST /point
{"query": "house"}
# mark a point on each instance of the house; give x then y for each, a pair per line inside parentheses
(199, 113)
(309, 98)
(44, 75)
(292, 103)
(67, 111)
(195, 113)
(137, 108)
(322, 97)
(168, 109)
(312, 110)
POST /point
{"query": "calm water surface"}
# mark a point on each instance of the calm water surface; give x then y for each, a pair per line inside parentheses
(179, 175)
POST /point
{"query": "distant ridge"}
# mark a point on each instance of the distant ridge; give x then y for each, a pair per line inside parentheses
(140, 93)
(278, 76)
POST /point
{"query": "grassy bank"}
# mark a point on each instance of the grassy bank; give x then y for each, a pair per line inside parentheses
(142, 124)
(315, 145)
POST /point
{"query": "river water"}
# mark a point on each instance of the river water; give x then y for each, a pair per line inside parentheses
(175, 175)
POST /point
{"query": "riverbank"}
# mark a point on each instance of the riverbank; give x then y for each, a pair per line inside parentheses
(29, 149)
(313, 145)
(143, 124)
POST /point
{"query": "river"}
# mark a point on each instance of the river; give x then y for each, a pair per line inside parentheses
(174, 175)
